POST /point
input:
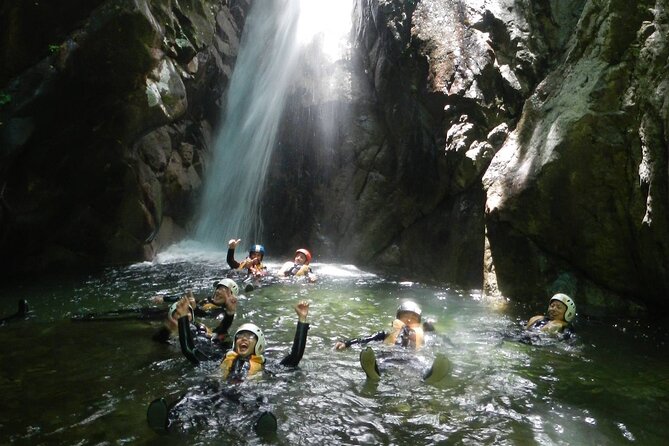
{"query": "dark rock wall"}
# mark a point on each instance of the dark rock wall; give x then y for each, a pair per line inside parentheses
(105, 123)
(577, 196)
(525, 139)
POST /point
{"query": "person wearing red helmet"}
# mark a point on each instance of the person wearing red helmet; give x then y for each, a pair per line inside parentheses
(299, 267)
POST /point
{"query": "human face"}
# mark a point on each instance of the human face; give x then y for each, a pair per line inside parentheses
(255, 256)
(409, 318)
(245, 343)
(556, 310)
(300, 258)
(221, 295)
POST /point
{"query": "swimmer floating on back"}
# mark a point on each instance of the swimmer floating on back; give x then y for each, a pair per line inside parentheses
(407, 332)
(557, 320)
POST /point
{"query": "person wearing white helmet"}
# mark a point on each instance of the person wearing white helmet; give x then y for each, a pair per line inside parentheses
(408, 331)
(223, 302)
(299, 267)
(561, 311)
(245, 360)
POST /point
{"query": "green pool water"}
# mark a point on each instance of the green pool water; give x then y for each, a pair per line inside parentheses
(89, 383)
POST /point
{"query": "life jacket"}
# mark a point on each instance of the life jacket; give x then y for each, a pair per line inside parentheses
(239, 367)
(405, 336)
(209, 306)
(247, 263)
(298, 270)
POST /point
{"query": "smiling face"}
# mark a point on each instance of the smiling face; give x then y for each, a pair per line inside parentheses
(221, 295)
(410, 318)
(300, 258)
(245, 343)
(556, 310)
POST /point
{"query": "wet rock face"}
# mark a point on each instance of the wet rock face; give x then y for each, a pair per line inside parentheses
(520, 146)
(105, 132)
(437, 86)
(580, 186)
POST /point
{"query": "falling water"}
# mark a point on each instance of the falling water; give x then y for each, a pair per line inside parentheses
(267, 65)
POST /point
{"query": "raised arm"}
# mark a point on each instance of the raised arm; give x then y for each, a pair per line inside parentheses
(300, 340)
(232, 245)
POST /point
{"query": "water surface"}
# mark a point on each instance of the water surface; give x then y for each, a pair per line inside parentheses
(90, 383)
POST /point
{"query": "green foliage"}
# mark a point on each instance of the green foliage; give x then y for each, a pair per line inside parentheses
(53, 49)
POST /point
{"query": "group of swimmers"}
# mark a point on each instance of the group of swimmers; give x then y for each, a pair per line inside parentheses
(242, 355)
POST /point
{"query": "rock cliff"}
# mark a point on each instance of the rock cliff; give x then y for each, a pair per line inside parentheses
(511, 145)
(105, 123)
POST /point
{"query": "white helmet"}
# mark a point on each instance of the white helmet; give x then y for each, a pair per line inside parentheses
(253, 328)
(229, 284)
(571, 306)
(173, 308)
(409, 306)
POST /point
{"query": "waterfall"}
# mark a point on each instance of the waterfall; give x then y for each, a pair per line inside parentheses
(265, 69)
(274, 33)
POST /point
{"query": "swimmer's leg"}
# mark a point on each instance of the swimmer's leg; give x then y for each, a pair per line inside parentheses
(368, 363)
(266, 424)
(157, 415)
(441, 367)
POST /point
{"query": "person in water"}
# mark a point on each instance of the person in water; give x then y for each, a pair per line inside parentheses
(408, 331)
(561, 311)
(299, 267)
(223, 302)
(244, 361)
(22, 313)
(252, 264)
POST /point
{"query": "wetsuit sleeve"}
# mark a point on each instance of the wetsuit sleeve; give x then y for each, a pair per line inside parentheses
(380, 336)
(188, 344)
(171, 299)
(299, 343)
(232, 263)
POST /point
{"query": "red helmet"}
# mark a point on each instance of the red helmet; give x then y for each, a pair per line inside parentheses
(306, 253)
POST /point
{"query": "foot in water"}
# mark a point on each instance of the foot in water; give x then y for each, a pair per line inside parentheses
(157, 416)
(368, 363)
(265, 425)
(441, 367)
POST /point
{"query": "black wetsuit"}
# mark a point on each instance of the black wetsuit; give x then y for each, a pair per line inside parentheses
(403, 338)
(194, 410)
(196, 354)
(214, 346)
(22, 313)
(530, 336)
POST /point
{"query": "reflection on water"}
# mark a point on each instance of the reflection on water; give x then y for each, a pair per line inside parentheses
(90, 383)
